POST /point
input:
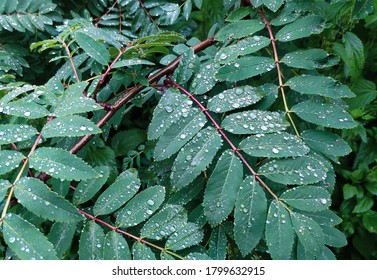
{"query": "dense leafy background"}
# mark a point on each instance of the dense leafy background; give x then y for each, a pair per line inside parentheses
(257, 143)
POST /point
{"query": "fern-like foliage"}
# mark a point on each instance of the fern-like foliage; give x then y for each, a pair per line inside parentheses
(144, 145)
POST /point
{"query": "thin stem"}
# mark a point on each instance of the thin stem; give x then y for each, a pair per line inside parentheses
(226, 138)
(138, 239)
(25, 161)
(129, 93)
(70, 60)
(105, 14)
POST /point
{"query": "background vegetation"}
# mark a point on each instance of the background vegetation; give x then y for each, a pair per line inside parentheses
(188, 129)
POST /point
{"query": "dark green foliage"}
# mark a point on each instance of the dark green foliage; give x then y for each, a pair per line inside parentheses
(130, 135)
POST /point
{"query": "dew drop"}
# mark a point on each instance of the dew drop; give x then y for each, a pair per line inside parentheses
(12, 239)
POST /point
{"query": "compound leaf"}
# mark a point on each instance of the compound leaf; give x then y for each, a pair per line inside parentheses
(249, 215)
(219, 198)
(26, 240)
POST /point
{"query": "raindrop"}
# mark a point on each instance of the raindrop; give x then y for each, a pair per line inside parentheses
(12, 239)
(323, 200)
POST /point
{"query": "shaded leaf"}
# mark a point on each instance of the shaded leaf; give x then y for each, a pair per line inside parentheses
(334, 237)
(186, 194)
(249, 215)
(164, 223)
(61, 236)
(194, 157)
(218, 243)
(26, 240)
(185, 237)
(274, 145)
(40, 200)
(244, 68)
(236, 30)
(12, 133)
(307, 198)
(254, 122)
(319, 85)
(91, 242)
(219, 198)
(117, 194)
(326, 142)
(323, 114)
(301, 28)
(294, 171)
(69, 126)
(279, 232)
(116, 247)
(61, 164)
(139, 208)
(9, 160)
(234, 98)
(86, 189)
(4, 186)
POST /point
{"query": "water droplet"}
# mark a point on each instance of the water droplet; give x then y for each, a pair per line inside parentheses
(323, 200)
(150, 202)
(12, 239)
(26, 114)
(275, 150)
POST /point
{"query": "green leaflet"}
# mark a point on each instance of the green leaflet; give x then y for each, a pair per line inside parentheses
(244, 68)
(249, 215)
(12, 133)
(61, 164)
(117, 194)
(74, 102)
(91, 242)
(279, 232)
(140, 251)
(115, 247)
(179, 133)
(239, 14)
(139, 208)
(205, 80)
(86, 189)
(94, 49)
(301, 28)
(274, 145)
(69, 126)
(26, 240)
(185, 237)
(131, 62)
(234, 98)
(328, 115)
(308, 232)
(334, 237)
(197, 256)
(273, 5)
(319, 85)
(186, 67)
(61, 236)
(40, 200)
(195, 156)
(309, 59)
(294, 171)
(127, 140)
(254, 122)
(236, 30)
(218, 244)
(241, 48)
(323, 218)
(28, 110)
(4, 186)
(370, 221)
(224, 182)
(9, 160)
(164, 223)
(307, 198)
(326, 142)
(171, 107)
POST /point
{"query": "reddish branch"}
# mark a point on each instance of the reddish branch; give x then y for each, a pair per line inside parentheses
(107, 12)
(128, 94)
